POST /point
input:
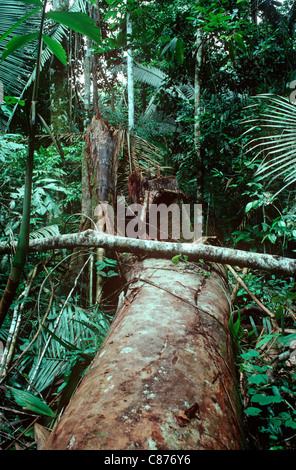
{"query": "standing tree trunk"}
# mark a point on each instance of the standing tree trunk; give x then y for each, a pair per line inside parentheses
(163, 379)
(99, 178)
(130, 74)
(88, 66)
(59, 90)
(197, 114)
(100, 163)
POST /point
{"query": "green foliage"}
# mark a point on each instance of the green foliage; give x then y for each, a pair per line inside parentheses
(176, 259)
(235, 326)
(271, 391)
(265, 361)
(76, 21)
(52, 197)
(51, 357)
(109, 265)
(30, 402)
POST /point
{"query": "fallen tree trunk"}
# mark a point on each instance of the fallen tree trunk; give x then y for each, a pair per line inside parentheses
(163, 379)
(195, 251)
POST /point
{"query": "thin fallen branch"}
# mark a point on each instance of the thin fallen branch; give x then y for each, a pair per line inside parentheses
(260, 304)
(167, 250)
(237, 285)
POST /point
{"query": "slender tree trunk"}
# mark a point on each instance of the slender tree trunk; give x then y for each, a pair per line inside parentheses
(22, 246)
(197, 115)
(88, 64)
(59, 89)
(164, 378)
(130, 75)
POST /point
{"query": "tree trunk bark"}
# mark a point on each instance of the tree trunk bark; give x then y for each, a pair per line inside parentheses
(100, 163)
(195, 252)
(197, 115)
(130, 75)
(59, 91)
(88, 65)
(163, 379)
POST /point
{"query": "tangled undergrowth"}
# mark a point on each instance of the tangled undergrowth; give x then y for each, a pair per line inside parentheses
(263, 328)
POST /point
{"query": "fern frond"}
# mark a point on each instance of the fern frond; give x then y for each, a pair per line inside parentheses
(50, 231)
(278, 143)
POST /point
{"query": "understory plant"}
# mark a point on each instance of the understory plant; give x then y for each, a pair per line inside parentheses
(266, 360)
(51, 334)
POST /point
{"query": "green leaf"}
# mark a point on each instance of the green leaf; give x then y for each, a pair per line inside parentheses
(251, 205)
(248, 207)
(272, 237)
(113, 2)
(235, 326)
(112, 273)
(263, 399)
(290, 424)
(252, 411)
(30, 402)
(79, 22)
(110, 14)
(101, 265)
(110, 262)
(266, 338)
(56, 48)
(16, 43)
(179, 52)
(239, 41)
(258, 379)
(72, 382)
(176, 259)
(250, 354)
(32, 2)
(66, 344)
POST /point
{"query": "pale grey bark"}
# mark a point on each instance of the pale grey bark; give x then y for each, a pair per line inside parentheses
(194, 251)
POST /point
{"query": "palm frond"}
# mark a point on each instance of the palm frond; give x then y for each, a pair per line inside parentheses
(150, 75)
(18, 68)
(50, 231)
(156, 78)
(277, 146)
(75, 329)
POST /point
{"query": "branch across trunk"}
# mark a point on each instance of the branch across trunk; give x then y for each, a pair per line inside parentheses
(194, 251)
(163, 379)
